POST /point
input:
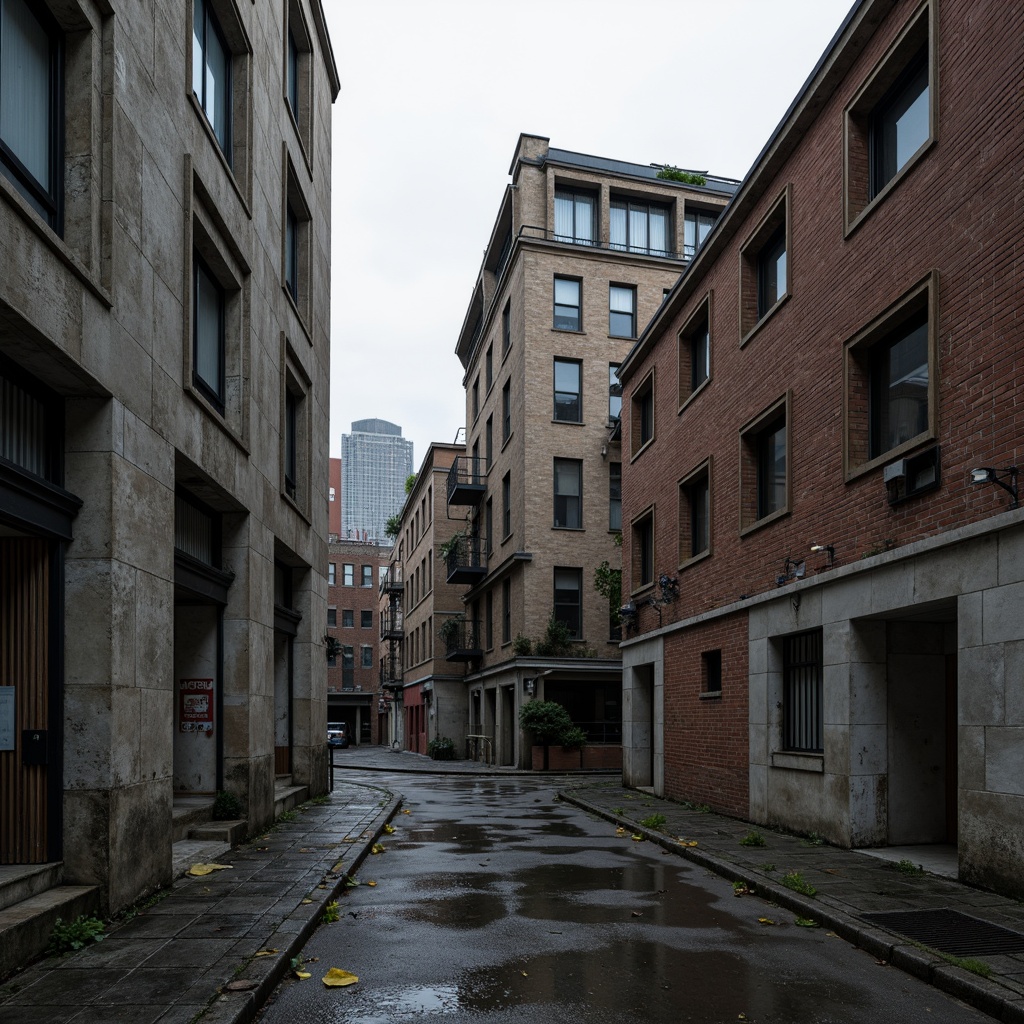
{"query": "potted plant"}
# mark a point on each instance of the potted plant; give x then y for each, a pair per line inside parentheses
(547, 721)
(448, 632)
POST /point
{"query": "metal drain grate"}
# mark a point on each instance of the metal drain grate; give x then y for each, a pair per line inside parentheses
(949, 931)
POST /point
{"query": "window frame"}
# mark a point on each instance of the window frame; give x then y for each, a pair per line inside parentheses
(642, 551)
(921, 298)
(506, 412)
(555, 326)
(687, 340)
(695, 215)
(506, 506)
(366, 576)
(624, 289)
(332, 573)
(614, 498)
(216, 392)
(578, 364)
(862, 194)
(567, 465)
(614, 394)
(776, 221)
(211, 20)
(577, 574)
(711, 674)
(348, 574)
(642, 410)
(791, 733)
(45, 198)
(752, 483)
(574, 195)
(366, 618)
(506, 329)
(348, 618)
(699, 476)
(629, 203)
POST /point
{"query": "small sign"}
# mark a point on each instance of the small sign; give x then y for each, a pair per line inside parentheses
(6, 717)
(195, 705)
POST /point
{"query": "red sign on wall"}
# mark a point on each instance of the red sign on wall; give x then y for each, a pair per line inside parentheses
(195, 705)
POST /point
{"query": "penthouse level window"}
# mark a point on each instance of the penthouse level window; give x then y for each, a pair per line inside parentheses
(639, 227)
(574, 215)
(31, 106)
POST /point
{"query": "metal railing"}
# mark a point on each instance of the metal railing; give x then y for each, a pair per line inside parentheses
(463, 638)
(545, 234)
(466, 559)
(467, 480)
(391, 582)
(390, 623)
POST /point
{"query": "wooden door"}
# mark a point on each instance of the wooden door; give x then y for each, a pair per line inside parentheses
(24, 666)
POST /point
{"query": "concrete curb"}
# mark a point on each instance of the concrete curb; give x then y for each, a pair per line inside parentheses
(268, 972)
(488, 772)
(984, 995)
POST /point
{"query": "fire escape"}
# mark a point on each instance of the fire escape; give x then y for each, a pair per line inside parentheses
(392, 587)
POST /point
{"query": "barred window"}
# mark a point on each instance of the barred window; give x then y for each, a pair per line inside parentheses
(802, 725)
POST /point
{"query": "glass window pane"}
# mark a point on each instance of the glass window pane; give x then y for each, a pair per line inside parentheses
(617, 225)
(621, 299)
(585, 218)
(567, 292)
(198, 34)
(25, 89)
(207, 331)
(637, 228)
(659, 230)
(218, 92)
(903, 125)
(563, 215)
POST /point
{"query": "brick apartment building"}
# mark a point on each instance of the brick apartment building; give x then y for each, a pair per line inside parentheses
(164, 386)
(580, 257)
(427, 693)
(822, 544)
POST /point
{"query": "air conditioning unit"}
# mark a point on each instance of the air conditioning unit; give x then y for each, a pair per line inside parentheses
(914, 475)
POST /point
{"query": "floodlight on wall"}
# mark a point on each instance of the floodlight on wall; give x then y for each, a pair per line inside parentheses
(1005, 478)
(529, 686)
(829, 550)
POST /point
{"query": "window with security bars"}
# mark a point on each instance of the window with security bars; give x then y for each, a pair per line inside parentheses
(802, 725)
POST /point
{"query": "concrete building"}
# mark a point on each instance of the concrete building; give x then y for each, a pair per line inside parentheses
(164, 296)
(823, 544)
(580, 257)
(376, 461)
(354, 573)
(427, 693)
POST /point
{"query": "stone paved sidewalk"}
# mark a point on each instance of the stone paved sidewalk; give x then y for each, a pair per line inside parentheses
(170, 962)
(848, 885)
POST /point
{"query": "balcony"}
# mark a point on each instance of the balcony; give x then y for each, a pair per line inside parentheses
(391, 671)
(547, 235)
(463, 639)
(467, 480)
(465, 560)
(391, 624)
(391, 582)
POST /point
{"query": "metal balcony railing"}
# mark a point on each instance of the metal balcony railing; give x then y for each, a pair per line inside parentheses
(391, 582)
(391, 670)
(466, 561)
(531, 231)
(391, 623)
(467, 480)
(463, 639)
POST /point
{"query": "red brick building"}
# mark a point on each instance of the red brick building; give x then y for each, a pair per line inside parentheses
(823, 564)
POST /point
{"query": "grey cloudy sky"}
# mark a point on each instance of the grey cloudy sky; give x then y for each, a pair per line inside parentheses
(434, 95)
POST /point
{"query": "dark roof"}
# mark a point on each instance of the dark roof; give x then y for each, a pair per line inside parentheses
(648, 171)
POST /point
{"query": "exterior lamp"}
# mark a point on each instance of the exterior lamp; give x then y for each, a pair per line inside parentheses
(1005, 478)
(829, 550)
(528, 686)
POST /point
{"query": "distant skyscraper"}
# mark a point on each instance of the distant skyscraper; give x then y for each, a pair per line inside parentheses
(376, 461)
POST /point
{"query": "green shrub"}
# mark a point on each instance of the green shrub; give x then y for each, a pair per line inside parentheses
(442, 749)
(226, 807)
(574, 738)
(753, 838)
(654, 821)
(686, 177)
(795, 881)
(66, 938)
(522, 646)
(546, 720)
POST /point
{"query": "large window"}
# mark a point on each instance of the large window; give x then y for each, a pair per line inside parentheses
(211, 72)
(695, 514)
(765, 269)
(890, 380)
(568, 494)
(694, 352)
(291, 444)
(574, 216)
(208, 332)
(621, 311)
(506, 411)
(568, 390)
(639, 227)
(642, 415)
(764, 466)
(697, 225)
(802, 704)
(892, 120)
(643, 550)
(568, 304)
(31, 106)
(568, 600)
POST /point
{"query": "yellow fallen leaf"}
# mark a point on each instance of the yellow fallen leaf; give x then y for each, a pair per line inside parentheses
(307, 901)
(637, 838)
(390, 829)
(406, 812)
(524, 974)
(207, 869)
(337, 978)
(765, 920)
(620, 831)
(371, 882)
(377, 848)
(303, 975)
(266, 952)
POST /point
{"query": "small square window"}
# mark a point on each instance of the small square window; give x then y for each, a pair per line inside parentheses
(568, 391)
(568, 304)
(694, 352)
(695, 515)
(892, 120)
(568, 494)
(366, 619)
(643, 550)
(642, 415)
(765, 267)
(764, 467)
(621, 311)
(890, 385)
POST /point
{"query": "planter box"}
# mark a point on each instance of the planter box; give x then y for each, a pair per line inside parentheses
(606, 756)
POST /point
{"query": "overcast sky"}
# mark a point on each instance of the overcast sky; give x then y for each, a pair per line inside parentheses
(434, 95)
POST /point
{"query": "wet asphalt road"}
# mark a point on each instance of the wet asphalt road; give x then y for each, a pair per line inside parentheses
(496, 904)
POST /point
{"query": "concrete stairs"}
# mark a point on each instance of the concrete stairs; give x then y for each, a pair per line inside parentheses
(32, 898)
(286, 795)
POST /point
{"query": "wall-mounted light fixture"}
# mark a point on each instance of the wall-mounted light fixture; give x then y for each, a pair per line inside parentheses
(604, 451)
(627, 616)
(829, 550)
(528, 687)
(1005, 478)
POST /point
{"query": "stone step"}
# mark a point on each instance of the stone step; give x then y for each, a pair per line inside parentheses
(287, 797)
(190, 812)
(21, 881)
(26, 927)
(230, 832)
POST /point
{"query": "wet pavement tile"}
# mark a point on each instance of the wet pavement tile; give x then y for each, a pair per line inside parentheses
(182, 1013)
(147, 985)
(183, 906)
(157, 926)
(64, 989)
(111, 952)
(190, 953)
(223, 926)
(135, 1013)
(33, 1014)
